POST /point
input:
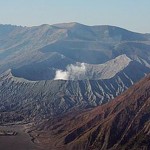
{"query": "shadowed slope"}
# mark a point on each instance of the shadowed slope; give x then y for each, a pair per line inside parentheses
(123, 123)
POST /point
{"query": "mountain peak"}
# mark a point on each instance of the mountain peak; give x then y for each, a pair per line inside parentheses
(68, 25)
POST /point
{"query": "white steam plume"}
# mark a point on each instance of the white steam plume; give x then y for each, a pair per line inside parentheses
(72, 72)
(60, 74)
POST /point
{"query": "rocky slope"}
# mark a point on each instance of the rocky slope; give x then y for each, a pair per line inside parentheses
(56, 68)
(48, 98)
(50, 70)
(50, 47)
(123, 123)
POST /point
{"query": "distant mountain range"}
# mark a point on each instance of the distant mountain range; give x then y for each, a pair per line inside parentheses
(48, 70)
(121, 124)
(54, 47)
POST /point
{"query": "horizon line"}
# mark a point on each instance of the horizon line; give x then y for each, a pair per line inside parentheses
(54, 24)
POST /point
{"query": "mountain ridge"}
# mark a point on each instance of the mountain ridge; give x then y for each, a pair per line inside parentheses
(27, 43)
(69, 24)
(49, 71)
(38, 53)
(120, 124)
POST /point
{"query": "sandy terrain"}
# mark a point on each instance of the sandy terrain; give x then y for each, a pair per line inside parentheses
(22, 141)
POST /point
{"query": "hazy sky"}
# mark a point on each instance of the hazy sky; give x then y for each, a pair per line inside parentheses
(130, 14)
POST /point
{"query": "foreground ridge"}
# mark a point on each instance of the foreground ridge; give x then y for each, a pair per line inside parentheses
(123, 123)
